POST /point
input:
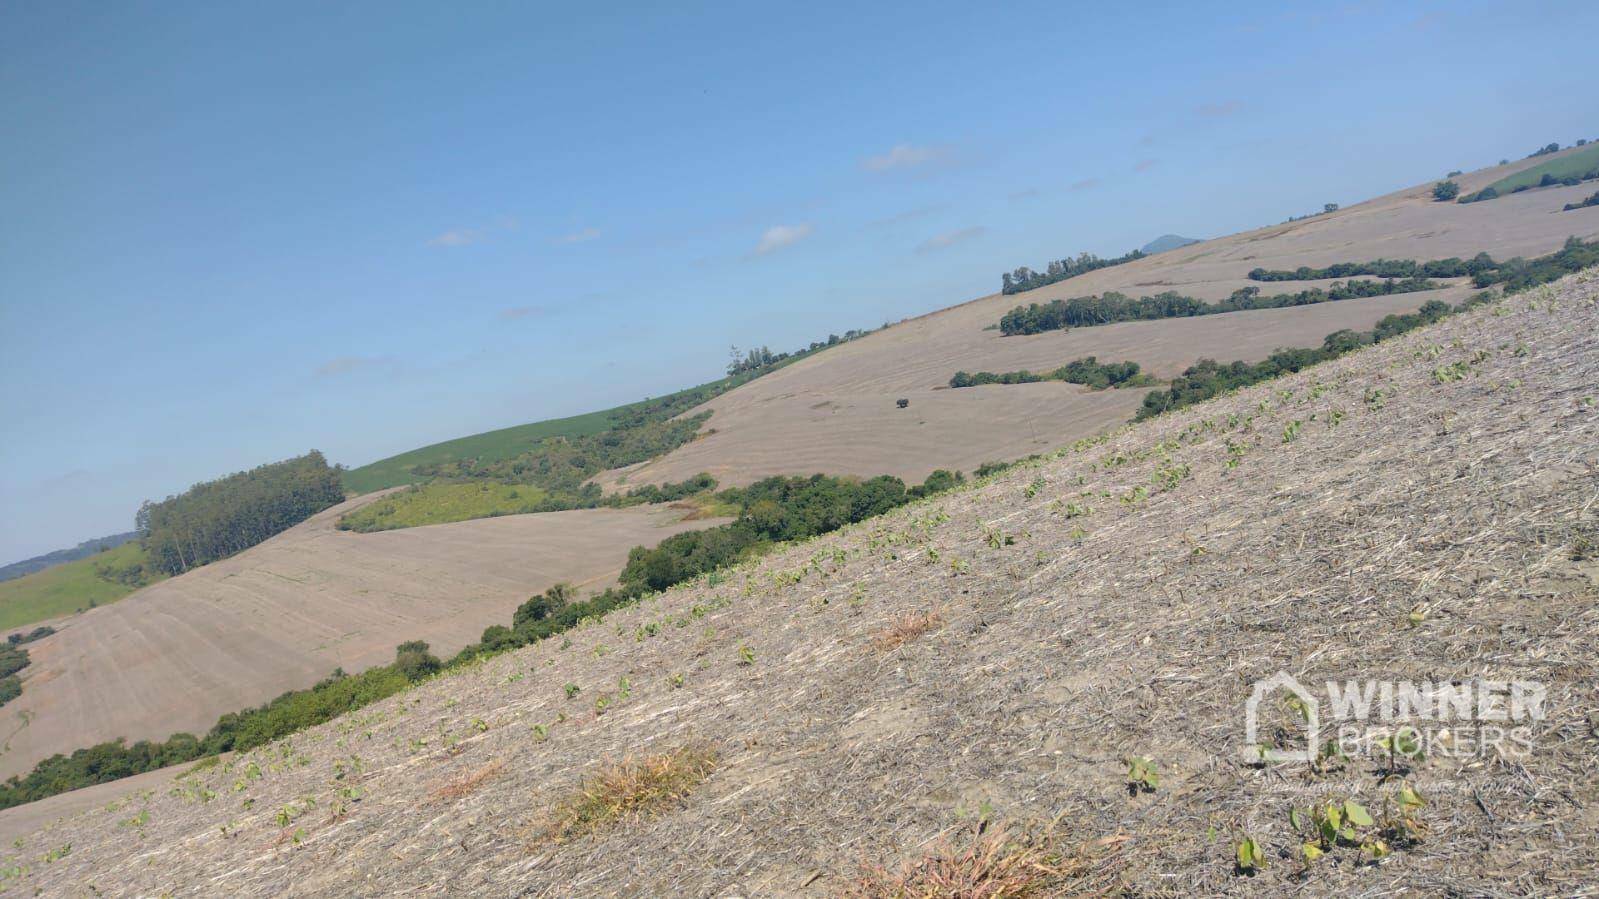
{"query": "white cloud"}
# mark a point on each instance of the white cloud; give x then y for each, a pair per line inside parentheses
(949, 239)
(779, 236)
(903, 156)
(459, 238)
(1144, 165)
(1085, 184)
(583, 236)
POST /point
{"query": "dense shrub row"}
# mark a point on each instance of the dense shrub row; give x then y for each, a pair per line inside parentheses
(1059, 270)
(12, 659)
(1082, 312)
(1088, 371)
(1453, 267)
(1591, 201)
(1208, 378)
(215, 519)
(1519, 274)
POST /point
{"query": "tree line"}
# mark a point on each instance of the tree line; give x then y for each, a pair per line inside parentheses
(1025, 278)
(1088, 371)
(1453, 267)
(215, 519)
(762, 359)
(13, 658)
(1082, 312)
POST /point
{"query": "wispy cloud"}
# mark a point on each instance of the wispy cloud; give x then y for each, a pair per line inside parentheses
(1144, 165)
(779, 236)
(458, 238)
(343, 365)
(944, 241)
(583, 236)
(1219, 110)
(520, 312)
(908, 215)
(1030, 193)
(1085, 184)
(903, 156)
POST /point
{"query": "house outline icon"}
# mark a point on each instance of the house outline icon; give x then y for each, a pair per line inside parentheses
(1262, 689)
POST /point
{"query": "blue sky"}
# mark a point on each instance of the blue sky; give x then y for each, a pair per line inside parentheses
(231, 235)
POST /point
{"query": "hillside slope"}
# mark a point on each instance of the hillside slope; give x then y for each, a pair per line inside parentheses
(282, 615)
(67, 588)
(57, 557)
(837, 412)
(1424, 509)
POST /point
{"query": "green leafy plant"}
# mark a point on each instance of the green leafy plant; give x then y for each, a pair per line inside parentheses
(1403, 743)
(1250, 857)
(1141, 775)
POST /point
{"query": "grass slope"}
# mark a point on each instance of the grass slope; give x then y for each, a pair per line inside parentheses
(1579, 163)
(496, 446)
(64, 589)
(444, 503)
(490, 445)
(990, 659)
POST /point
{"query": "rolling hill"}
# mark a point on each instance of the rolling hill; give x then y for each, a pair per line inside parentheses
(836, 412)
(958, 686)
(56, 557)
(283, 614)
(66, 588)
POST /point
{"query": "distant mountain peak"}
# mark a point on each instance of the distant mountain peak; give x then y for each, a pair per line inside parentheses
(1168, 242)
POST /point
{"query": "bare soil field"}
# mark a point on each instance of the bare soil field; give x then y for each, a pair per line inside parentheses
(281, 616)
(836, 412)
(988, 659)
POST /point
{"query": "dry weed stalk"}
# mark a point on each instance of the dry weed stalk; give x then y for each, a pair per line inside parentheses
(988, 866)
(466, 786)
(906, 628)
(630, 789)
